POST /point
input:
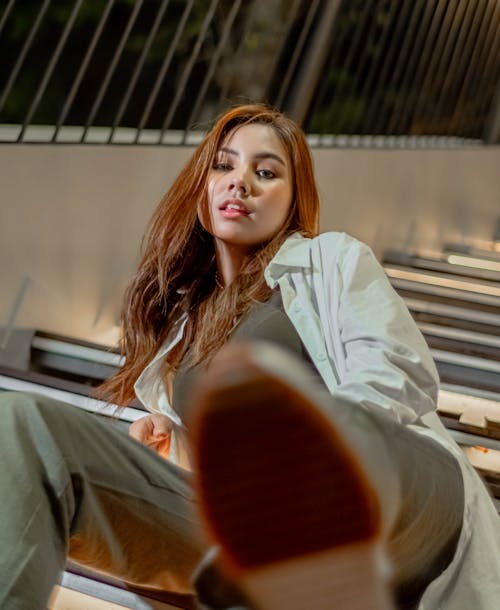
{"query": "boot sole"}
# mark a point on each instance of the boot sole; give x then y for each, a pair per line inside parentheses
(282, 494)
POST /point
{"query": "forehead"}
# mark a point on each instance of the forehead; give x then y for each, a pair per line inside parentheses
(255, 138)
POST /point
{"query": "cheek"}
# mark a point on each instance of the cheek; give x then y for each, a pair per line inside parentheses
(285, 198)
(279, 208)
(214, 186)
(210, 190)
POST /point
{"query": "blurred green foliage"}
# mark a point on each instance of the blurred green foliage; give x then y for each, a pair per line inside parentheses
(374, 80)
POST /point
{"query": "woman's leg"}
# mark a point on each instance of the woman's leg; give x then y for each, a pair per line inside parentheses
(307, 476)
(73, 484)
(423, 540)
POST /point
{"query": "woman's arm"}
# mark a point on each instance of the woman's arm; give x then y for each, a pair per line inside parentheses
(384, 360)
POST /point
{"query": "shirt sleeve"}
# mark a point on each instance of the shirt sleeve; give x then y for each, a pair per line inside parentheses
(385, 360)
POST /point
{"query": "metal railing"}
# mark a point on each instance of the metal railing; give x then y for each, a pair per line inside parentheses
(410, 72)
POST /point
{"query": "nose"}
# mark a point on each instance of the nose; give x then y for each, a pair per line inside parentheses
(239, 184)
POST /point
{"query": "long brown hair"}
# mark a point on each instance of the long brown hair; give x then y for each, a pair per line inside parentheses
(177, 271)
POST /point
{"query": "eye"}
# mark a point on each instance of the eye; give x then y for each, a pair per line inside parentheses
(223, 167)
(267, 174)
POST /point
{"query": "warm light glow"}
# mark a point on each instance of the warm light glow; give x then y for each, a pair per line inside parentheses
(433, 280)
(477, 263)
(108, 337)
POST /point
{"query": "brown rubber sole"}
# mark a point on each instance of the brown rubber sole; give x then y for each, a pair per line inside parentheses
(283, 495)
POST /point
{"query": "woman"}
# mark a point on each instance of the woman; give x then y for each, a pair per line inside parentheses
(232, 255)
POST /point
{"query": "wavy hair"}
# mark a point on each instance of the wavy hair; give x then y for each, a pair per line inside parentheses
(176, 273)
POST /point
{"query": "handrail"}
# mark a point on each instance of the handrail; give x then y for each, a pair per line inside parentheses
(397, 74)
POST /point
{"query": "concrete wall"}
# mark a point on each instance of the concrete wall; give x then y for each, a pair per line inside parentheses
(71, 218)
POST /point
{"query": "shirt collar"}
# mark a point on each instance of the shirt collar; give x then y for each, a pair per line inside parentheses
(295, 252)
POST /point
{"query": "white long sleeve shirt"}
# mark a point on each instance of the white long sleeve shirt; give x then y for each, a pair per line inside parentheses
(368, 349)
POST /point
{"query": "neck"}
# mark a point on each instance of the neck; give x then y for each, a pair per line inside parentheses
(229, 262)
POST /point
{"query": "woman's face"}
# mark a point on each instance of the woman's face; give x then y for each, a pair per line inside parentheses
(249, 188)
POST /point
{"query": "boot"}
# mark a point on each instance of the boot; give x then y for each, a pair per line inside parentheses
(295, 488)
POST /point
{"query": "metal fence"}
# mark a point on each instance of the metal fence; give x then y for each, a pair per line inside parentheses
(411, 72)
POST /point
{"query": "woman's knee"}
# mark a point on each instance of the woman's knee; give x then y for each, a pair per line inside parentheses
(38, 428)
(26, 406)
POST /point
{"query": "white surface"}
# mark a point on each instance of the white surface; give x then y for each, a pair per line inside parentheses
(77, 400)
(72, 217)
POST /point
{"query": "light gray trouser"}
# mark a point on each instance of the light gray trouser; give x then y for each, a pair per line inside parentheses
(71, 484)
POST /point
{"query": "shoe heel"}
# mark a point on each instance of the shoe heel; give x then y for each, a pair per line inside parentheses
(350, 578)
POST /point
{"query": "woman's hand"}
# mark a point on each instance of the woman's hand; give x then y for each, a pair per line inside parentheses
(153, 431)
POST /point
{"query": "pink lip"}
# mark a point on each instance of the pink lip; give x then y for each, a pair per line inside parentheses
(240, 209)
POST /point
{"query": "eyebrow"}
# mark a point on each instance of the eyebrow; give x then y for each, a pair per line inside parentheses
(261, 155)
